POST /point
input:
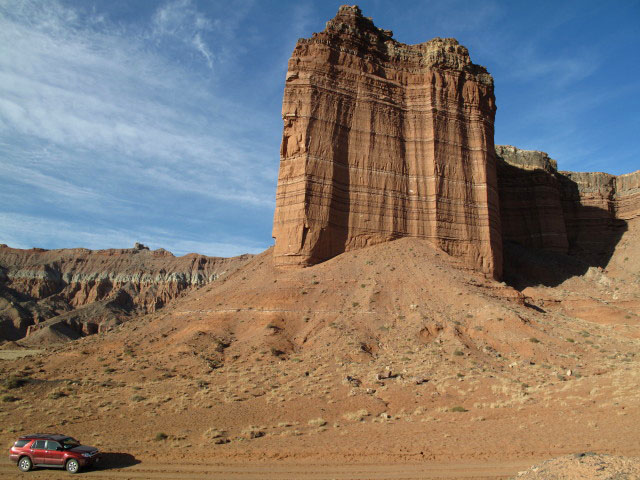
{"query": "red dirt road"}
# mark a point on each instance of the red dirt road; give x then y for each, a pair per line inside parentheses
(150, 470)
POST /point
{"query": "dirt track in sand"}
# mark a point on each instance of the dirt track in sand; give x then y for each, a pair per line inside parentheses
(149, 470)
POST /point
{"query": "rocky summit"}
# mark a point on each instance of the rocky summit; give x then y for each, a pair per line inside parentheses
(385, 140)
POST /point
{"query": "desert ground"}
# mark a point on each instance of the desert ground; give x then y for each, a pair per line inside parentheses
(394, 361)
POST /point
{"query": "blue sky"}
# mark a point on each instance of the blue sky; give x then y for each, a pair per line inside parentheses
(159, 121)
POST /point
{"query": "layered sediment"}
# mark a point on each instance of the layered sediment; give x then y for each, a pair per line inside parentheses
(582, 214)
(87, 288)
(384, 140)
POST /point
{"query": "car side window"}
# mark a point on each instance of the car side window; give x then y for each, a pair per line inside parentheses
(51, 445)
(20, 443)
(38, 445)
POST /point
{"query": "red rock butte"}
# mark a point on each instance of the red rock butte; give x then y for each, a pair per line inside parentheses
(384, 140)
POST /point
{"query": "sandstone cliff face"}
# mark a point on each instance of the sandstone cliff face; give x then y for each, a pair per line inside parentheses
(383, 140)
(87, 288)
(582, 214)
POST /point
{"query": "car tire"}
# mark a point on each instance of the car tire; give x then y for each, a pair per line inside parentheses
(25, 464)
(72, 466)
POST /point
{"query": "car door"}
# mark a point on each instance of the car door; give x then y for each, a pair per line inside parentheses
(55, 453)
(38, 452)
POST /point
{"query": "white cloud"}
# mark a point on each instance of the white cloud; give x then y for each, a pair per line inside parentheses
(71, 235)
(181, 20)
(98, 120)
(105, 92)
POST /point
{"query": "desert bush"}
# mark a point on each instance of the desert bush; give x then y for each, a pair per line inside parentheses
(13, 381)
(57, 394)
(458, 408)
(458, 353)
(213, 433)
(317, 422)
(160, 436)
(356, 416)
(252, 432)
(534, 340)
(9, 398)
(276, 352)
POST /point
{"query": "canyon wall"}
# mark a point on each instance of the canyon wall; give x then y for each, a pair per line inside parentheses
(581, 214)
(86, 289)
(383, 140)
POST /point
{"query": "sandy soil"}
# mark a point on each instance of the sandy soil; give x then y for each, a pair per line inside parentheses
(154, 470)
(394, 355)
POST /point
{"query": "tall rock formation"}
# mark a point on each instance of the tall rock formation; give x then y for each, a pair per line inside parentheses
(582, 214)
(383, 140)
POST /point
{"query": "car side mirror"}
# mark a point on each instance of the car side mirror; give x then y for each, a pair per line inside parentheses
(60, 449)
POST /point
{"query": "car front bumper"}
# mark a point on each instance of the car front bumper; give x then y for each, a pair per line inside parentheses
(89, 461)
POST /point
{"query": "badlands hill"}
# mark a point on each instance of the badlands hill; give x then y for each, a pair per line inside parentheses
(392, 353)
(57, 295)
(430, 296)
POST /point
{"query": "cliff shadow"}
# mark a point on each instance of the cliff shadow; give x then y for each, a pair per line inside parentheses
(549, 234)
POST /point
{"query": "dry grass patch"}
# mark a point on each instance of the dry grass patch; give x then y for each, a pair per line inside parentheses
(356, 416)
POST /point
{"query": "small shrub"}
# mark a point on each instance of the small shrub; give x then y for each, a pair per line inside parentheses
(57, 394)
(534, 340)
(458, 353)
(317, 422)
(137, 398)
(252, 432)
(355, 304)
(571, 340)
(9, 398)
(202, 384)
(214, 433)
(160, 436)
(356, 416)
(13, 381)
(109, 370)
(459, 409)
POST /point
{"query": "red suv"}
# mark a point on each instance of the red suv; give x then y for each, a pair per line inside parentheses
(44, 450)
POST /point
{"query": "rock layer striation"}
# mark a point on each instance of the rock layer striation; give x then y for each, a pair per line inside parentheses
(384, 140)
(582, 214)
(88, 290)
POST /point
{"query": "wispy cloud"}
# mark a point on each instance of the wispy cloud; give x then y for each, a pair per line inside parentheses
(181, 20)
(73, 235)
(97, 113)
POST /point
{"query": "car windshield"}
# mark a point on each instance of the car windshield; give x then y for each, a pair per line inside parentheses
(69, 442)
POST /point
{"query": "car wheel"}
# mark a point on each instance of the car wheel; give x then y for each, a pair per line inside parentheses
(25, 464)
(72, 466)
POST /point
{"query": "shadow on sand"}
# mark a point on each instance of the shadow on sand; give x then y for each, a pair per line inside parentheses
(113, 460)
